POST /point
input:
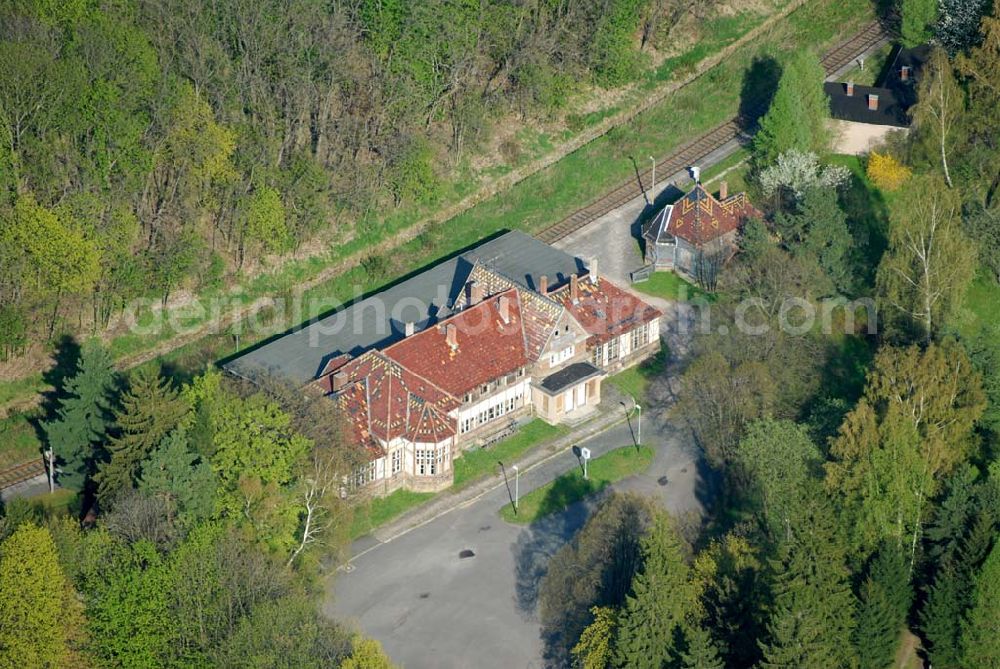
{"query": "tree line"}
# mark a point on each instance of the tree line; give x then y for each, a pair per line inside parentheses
(857, 511)
(209, 511)
(147, 146)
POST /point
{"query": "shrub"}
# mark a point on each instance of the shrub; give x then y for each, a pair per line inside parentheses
(886, 172)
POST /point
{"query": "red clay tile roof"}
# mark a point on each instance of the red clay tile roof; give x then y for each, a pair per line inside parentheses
(383, 401)
(487, 347)
(699, 218)
(604, 310)
(540, 313)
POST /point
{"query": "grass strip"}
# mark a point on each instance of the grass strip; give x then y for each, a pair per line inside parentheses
(479, 462)
(571, 487)
(378, 511)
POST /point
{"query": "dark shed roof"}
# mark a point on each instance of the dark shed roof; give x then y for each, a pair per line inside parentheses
(425, 298)
(855, 107)
(569, 376)
(895, 95)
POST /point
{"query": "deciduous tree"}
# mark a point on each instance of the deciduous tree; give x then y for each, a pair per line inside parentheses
(940, 106)
(917, 18)
(913, 426)
(33, 596)
(929, 263)
(595, 649)
(798, 112)
(777, 459)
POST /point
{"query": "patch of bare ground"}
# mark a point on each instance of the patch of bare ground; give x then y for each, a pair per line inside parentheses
(908, 655)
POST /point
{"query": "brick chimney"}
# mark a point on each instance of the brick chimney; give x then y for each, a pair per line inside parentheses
(339, 381)
(503, 306)
(474, 292)
(409, 328)
(595, 276)
(904, 73)
(872, 102)
(723, 190)
(574, 288)
(850, 89)
(451, 335)
(543, 285)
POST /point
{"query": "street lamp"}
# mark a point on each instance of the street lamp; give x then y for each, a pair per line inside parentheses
(638, 438)
(50, 456)
(517, 479)
(652, 188)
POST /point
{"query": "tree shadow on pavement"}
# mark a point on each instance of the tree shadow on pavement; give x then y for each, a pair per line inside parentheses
(539, 541)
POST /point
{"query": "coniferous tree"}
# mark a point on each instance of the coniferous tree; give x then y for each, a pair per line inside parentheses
(813, 617)
(950, 594)
(941, 615)
(181, 476)
(953, 516)
(149, 411)
(663, 596)
(825, 237)
(981, 626)
(886, 595)
(702, 652)
(82, 420)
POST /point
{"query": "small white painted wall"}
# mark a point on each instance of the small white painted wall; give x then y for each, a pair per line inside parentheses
(521, 388)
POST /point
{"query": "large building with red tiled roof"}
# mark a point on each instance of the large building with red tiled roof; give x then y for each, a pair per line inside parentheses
(473, 347)
(697, 234)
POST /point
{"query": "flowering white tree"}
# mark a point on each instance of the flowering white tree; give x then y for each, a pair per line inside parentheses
(797, 171)
(958, 23)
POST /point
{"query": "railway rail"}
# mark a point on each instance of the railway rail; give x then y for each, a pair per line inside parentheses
(697, 149)
(21, 472)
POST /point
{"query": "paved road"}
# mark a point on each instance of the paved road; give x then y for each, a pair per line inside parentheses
(431, 608)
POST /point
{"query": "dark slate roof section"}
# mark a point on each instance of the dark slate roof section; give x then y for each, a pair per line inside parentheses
(895, 96)
(379, 320)
(524, 259)
(656, 229)
(891, 111)
(569, 376)
(373, 322)
(915, 59)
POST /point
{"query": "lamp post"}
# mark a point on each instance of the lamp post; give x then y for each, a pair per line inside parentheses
(517, 479)
(652, 188)
(638, 408)
(50, 456)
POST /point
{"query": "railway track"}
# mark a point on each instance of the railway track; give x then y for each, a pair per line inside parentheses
(844, 53)
(697, 149)
(20, 473)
